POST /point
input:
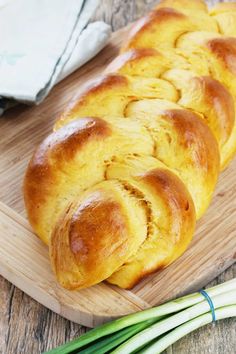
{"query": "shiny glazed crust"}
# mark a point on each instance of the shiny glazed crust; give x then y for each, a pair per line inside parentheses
(116, 189)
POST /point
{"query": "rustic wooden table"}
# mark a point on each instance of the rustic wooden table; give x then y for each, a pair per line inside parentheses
(26, 327)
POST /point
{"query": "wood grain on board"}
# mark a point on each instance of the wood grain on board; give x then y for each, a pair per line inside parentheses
(24, 259)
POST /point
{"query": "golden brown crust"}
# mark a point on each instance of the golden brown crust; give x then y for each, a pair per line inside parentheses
(193, 131)
(56, 176)
(59, 149)
(91, 90)
(200, 93)
(87, 220)
(190, 125)
(175, 129)
(94, 231)
(221, 101)
(165, 184)
(127, 61)
(139, 35)
(103, 83)
(208, 97)
(167, 196)
(225, 50)
(97, 235)
(113, 100)
(195, 136)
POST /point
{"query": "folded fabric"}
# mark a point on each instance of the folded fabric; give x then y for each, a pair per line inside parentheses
(43, 42)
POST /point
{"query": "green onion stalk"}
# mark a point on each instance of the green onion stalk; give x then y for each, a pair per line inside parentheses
(152, 331)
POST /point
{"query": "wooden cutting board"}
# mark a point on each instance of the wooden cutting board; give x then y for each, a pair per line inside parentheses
(24, 259)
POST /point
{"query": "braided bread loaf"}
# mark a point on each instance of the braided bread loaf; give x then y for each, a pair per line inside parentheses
(116, 189)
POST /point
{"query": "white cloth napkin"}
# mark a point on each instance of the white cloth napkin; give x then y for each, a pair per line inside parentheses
(43, 41)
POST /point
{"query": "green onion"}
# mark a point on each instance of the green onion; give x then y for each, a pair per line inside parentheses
(163, 326)
(181, 331)
(151, 330)
(113, 341)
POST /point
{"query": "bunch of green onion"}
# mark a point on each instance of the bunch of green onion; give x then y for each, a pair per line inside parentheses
(152, 331)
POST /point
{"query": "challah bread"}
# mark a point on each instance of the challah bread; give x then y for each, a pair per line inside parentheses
(81, 154)
(93, 228)
(171, 128)
(119, 224)
(116, 189)
(201, 94)
(225, 15)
